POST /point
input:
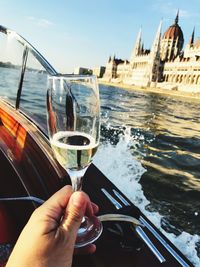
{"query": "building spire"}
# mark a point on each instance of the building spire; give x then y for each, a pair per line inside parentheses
(142, 48)
(155, 56)
(191, 42)
(177, 18)
(156, 44)
(137, 47)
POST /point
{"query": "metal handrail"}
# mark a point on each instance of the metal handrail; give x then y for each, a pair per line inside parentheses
(27, 48)
(48, 67)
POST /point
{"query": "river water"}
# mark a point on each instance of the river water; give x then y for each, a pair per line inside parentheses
(150, 148)
(152, 143)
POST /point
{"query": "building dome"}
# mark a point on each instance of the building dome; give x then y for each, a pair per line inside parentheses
(173, 32)
(172, 41)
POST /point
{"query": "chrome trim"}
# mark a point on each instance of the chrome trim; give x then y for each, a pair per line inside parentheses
(150, 245)
(27, 48)
(121, 198)
(112, 200)
(164, 243)
(119, 218)
(3, 29)
(32, 49)
(23, 68)
(29, 198)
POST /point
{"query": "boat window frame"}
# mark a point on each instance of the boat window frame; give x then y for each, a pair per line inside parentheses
(28, 48)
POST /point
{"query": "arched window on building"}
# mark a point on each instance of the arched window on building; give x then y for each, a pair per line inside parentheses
(173, 78)
(185, 79)
(189, 79)
(198, 79)
(195, 79)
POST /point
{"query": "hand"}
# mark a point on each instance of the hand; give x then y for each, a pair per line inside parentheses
(48, 238)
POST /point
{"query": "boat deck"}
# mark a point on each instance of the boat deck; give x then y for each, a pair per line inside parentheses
(119, 244)
(28, 168)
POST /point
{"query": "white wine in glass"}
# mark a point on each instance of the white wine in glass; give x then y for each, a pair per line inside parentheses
(73, 115)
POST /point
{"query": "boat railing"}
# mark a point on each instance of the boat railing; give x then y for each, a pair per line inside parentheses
(27, 50)
(47, 66)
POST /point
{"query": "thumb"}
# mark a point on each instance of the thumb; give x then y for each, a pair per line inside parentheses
(74, 213)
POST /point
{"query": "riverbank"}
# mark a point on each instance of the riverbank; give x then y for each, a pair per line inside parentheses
(156, 90)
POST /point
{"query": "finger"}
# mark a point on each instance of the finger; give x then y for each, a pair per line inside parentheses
(85, 250)
(89, 209)
(55, 205)
(61, 197)
(95, 208)
(75, 211)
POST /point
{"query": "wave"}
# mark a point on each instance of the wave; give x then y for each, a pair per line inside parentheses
(125, 171)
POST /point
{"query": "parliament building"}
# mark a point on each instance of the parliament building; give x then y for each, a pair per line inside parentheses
(166, 65)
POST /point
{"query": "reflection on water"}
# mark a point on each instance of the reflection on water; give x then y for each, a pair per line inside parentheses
(9, 79)
(167, 131)
(171, 143)
(163, 134)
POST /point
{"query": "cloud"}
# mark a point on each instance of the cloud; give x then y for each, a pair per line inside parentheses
(45, 23)
(185, 14)
(163, 7)
(169, 8)
(41, 22)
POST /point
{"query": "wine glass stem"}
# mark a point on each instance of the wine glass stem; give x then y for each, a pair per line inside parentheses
(76, 177)
(76, 183)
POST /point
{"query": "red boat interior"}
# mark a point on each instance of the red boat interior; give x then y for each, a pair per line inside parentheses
(29, 169)
(26, 168)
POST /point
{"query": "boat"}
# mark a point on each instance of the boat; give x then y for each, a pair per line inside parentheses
(30, 174)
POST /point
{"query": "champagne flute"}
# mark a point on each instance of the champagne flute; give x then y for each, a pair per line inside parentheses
(73, 114)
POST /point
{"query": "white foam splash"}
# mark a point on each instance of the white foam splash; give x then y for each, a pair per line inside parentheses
(119, 165)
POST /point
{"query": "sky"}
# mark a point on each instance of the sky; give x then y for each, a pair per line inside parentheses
(85, 33)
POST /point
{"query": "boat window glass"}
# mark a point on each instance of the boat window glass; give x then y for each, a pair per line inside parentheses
(33, 96)
(11, 52)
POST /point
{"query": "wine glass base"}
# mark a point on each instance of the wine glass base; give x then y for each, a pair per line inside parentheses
(89, 231)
